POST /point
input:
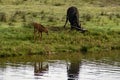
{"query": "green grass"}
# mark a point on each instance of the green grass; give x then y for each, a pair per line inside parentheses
(100, 18)
(19, 41)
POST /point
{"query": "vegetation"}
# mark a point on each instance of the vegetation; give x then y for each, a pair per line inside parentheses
(104, 57)
(100, 17)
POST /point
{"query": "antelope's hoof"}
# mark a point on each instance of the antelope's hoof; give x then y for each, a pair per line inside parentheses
(83, 30)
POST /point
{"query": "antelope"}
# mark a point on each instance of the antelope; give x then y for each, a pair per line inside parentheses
(73, 17)
(39, 28)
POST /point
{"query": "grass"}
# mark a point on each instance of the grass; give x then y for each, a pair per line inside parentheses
(19, 41)
(16, 34)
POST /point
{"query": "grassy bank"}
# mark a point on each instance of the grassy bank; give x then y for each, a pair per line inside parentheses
(19, 41)
(16, 34)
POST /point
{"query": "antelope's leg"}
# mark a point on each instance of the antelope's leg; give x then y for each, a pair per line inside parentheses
(66, 22)
(35, 34)
(40, 35)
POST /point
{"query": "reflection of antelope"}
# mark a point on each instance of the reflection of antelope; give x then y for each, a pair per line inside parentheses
(39, 68)
(73, 69)
(39, 28)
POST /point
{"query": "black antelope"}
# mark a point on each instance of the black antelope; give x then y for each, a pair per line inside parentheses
(73, 17)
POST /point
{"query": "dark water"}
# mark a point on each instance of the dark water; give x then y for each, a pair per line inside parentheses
(85, 68)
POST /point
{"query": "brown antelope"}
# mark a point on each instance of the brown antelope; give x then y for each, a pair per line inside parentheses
(39, 28)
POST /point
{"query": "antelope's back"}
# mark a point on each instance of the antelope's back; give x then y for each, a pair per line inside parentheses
(72, 11)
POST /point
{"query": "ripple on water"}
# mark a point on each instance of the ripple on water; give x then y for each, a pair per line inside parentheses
(60, 70)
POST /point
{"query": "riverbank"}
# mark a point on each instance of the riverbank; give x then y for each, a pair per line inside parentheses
(20, 41)
(99, 18)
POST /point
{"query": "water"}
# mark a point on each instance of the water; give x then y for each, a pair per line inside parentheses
(60, 69)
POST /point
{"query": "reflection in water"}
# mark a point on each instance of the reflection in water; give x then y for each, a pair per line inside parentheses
(40, 68)
(103, 69)
(91, 70)
(73, 70)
